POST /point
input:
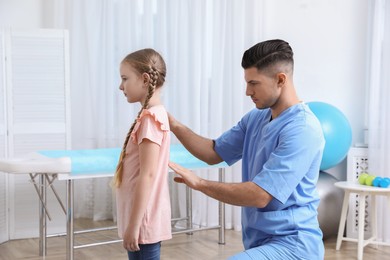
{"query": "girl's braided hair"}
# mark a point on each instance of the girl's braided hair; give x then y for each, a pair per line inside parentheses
(144, 61)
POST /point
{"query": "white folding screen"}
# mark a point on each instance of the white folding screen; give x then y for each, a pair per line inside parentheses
(37, 118)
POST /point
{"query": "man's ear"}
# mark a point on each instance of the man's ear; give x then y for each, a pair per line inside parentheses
(281, 78)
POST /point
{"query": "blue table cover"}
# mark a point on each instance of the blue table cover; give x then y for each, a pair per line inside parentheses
(105, 160)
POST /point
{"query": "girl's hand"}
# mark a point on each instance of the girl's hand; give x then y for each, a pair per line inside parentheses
(185, 176)
(130, 239)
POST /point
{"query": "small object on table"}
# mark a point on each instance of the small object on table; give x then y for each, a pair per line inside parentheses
(384, 183)
(376, 181)
(362, 178)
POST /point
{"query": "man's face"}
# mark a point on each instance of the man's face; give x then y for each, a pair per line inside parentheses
(262, 87)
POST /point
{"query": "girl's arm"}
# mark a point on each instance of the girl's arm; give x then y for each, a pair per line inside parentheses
(148, 156)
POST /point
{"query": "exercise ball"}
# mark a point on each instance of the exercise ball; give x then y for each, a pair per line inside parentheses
(331, 200)
(337, 133)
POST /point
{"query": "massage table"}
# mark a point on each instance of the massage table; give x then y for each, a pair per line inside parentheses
(44, 167)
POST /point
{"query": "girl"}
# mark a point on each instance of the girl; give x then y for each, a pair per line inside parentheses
(143, 203)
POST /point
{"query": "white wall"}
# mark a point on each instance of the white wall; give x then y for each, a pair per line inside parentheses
(21, 13)
(329, 39)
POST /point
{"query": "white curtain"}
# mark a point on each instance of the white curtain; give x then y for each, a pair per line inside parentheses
(202, 42)
(379, 105)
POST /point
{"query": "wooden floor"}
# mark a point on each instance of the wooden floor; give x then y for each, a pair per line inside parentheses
(200, 245)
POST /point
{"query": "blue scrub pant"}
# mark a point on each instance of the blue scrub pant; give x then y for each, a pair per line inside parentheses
(266, 252)
(276, 250)
(146, 252)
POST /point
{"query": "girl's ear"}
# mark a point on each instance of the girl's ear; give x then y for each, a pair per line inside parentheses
(146, 78)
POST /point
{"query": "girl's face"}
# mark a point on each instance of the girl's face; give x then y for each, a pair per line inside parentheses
(133, 84)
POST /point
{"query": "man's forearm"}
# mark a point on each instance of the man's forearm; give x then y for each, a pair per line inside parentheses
(199, 146)
(245, 194)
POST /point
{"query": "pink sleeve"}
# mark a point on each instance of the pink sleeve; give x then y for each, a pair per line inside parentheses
(150, 129)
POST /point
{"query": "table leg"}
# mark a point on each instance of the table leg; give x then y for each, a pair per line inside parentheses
(42, 216)
(69, 220)
(374, 231)
(189, 209)
(343, 218)
(50, 183)
(221, 209)
(361, 224)
(36, 186)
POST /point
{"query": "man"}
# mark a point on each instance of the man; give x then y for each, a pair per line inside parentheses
(280, 143)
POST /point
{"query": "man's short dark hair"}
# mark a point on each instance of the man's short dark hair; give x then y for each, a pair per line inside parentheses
(267, 53)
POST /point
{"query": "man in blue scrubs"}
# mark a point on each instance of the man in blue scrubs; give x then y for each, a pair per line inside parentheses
(280, 143)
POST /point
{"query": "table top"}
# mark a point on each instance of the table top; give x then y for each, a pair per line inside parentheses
(93, 163)
(357, 187)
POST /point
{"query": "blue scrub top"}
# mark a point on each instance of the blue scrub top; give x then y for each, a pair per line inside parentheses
(283, 157)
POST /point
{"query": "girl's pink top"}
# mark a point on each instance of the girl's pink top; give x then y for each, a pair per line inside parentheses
(153, 124)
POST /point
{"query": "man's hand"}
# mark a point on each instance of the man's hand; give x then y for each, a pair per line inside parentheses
(172, 122)
(199, 146)
(185, 176)
(246, 194)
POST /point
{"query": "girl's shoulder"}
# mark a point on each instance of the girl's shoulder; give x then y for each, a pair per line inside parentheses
(156, 114)
(159, 114)
(152, 118)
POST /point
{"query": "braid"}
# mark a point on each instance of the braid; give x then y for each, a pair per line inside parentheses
(153, 75)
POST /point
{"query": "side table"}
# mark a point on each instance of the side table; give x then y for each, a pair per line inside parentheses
(363, 191)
